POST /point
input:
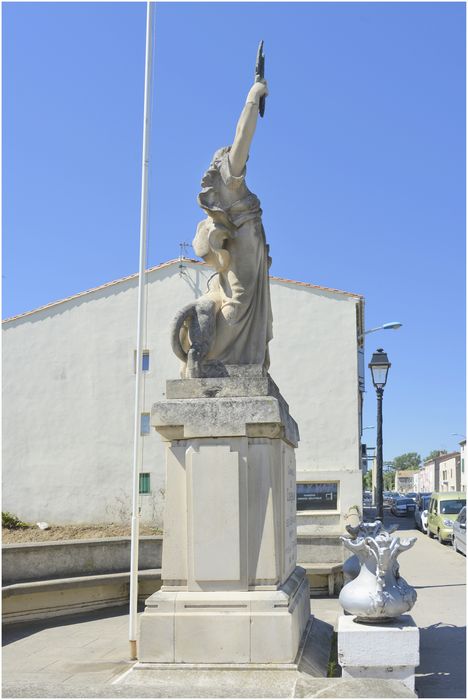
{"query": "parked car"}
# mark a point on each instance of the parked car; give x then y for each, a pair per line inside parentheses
(459, 532)
(389, 497)
(367, 498)
(403, 506)
(412, 495)
(420, 514)
(424, 493)
(444, 507)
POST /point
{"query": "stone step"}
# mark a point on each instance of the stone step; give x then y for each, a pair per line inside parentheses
(35, 600)
(324, 577)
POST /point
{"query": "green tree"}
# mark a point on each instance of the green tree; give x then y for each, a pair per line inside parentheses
(389, 481)
(409, 460)
(367, 481)
(434, 454)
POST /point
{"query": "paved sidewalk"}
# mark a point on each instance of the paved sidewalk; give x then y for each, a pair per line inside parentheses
(91, 650)
(439, 575)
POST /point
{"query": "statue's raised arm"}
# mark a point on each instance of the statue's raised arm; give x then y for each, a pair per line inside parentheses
(231, 324)
(246, 128)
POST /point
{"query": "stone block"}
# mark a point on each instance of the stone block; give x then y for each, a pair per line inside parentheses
(232, 627)
(319, 549)
(215, 520)
(220, 635)
(156, 641)
(225, 407)
(384, 651)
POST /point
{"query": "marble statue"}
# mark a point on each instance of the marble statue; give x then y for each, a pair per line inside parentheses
(231, 324)
(232, 591)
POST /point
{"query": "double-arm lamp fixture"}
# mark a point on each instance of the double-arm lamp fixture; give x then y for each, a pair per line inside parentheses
(379, 366)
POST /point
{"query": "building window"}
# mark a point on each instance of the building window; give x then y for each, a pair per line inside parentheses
(145, 424)
(144, 482)
(463, 465)
(145, 361)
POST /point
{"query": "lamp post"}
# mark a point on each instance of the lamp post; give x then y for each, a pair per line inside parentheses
(379, 366)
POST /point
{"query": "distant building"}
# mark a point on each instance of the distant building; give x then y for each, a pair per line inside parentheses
(405, 480)
(462, 466)
(68, 402)
(450, 472)
(441, 473)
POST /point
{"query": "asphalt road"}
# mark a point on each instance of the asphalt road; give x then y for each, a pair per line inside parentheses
(439, 575)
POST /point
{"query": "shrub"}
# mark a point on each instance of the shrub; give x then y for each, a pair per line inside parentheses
(11, 522)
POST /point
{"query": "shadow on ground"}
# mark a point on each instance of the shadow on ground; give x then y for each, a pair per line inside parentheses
(20, 630)
(442, 675)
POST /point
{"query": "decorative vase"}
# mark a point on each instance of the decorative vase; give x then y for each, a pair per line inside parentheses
(378, 594)
(352, 565)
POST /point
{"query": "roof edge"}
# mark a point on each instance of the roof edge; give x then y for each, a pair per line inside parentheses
(51, 304)
(442, 458)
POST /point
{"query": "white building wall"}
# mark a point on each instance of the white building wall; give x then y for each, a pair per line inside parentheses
(427, 478)
(448, 474)
(405, 481)
(69, 389)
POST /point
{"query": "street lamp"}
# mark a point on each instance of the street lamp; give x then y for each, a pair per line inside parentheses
(394, 325)
(379, 366)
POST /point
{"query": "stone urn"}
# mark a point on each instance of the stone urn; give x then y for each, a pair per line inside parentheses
(378, 594)
(352, 565)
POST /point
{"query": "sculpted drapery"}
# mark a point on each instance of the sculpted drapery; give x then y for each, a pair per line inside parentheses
(231, 324)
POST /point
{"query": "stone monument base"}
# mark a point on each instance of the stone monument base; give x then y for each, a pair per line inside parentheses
(305, 677)
(226, 627)
(380, 651)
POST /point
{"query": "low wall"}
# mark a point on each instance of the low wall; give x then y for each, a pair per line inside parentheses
(41, 561)
(45, 579)
(36, 600)
(314, 549)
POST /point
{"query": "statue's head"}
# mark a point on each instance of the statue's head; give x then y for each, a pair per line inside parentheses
(209, 244)
(220, 153)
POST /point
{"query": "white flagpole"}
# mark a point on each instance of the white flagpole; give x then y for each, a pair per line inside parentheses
(140, 337)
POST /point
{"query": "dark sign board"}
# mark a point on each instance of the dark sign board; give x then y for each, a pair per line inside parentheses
(317, 496)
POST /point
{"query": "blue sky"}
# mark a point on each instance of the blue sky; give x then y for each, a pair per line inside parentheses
(359, 163)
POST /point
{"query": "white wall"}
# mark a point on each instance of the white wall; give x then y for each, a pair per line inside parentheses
(448, 474)
(314, 362)
(69, 379)
(427, 479)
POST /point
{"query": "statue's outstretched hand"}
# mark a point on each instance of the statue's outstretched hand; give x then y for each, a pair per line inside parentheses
(257, 91)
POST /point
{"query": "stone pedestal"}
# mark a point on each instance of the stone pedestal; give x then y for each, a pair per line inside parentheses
(231, 593)
(385, 651)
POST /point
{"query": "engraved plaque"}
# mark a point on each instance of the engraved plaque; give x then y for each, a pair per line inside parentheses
(317, 495)
(290, 535)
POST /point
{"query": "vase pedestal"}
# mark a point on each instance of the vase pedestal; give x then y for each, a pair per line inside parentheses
(387, 651)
